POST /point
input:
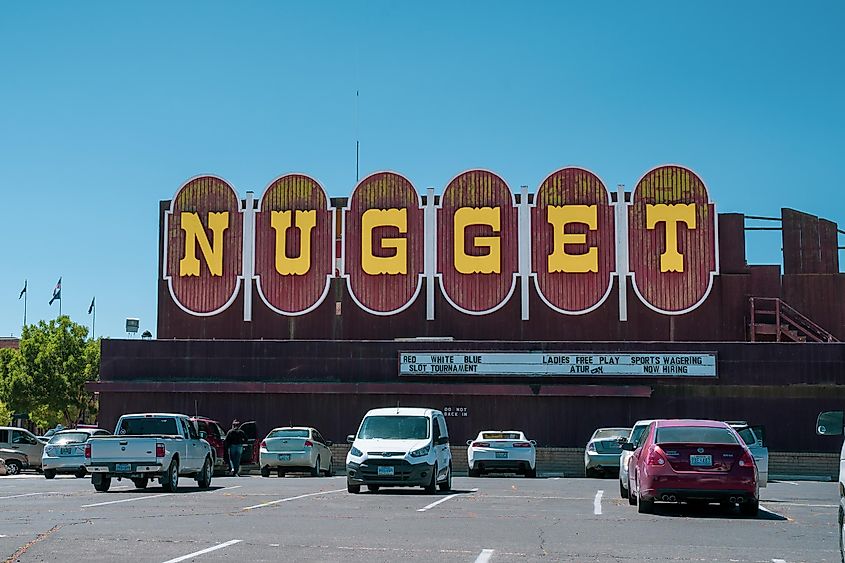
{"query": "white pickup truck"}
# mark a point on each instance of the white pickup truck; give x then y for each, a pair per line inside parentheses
(149, 446)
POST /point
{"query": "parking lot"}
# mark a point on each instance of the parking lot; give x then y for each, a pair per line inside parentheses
(482, 519)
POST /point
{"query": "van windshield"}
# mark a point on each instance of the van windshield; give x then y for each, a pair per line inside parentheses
(394, 428)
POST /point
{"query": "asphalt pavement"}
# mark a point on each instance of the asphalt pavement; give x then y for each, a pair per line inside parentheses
(492, 519)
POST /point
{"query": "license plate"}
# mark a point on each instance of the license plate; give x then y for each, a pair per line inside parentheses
(284, 457)
(65, 451)
(123, 467)
(701, 460)
(385, 470)
(501, 455)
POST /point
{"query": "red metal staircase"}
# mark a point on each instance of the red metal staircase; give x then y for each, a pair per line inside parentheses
(772, 320)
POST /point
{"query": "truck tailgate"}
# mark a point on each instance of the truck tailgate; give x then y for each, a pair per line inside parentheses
(122, 449)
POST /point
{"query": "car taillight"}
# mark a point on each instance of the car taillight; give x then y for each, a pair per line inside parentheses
(522, 445)
(308, 444)
(159, 450)
(655, 457)
(264, 444)
(480, 445)
(87, 451)
(746, 460)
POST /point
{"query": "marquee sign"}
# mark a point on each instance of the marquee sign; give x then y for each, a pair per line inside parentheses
(571, 242)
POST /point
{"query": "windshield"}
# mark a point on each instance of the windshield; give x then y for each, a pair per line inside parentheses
(606, 433)
(70, 438)
(144, 426)
(695, 435)
(500, 436)
(288, 433)
(394, 428)
(637, 433)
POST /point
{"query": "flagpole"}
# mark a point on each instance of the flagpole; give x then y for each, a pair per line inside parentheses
(25, 295)
(94, 321)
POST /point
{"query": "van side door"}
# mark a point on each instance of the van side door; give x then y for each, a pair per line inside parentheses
(440, 442)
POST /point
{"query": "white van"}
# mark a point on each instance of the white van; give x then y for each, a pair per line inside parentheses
(23, 441)
(400, 447)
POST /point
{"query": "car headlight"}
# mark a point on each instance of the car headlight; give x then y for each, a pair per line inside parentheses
(421, 452)
(356, 452)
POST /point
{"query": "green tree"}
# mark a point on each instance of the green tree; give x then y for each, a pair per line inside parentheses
(46, 377)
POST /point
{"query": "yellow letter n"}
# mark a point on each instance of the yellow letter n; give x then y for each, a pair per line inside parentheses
(671, 260)
(195, 233)
(305, 222)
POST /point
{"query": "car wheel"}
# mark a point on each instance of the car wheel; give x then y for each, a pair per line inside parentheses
(49, 473)
(101, 483)
(373, 488)
(13, 467)
(447, 484)
(623, 492)
(171, 480)
(474, 472)
(204, 478)
(431, 488)
(354, 489)
(315, 471)
(751, 508)
(330, 470)
(265, 471)
(280, 473)
(531, 472)
(632, 498)
(80, 473)
(141, 483)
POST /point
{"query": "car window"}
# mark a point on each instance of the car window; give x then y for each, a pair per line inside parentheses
(605, 433)
(69, 438)
(4, 436)
(443, 430)
(747, 436)
(19, 437)
(694, 435)
(319, 437)
(436, 428)
(288, 433)
(395, 427)
(637, 434)
(192, 430)
(148, 426)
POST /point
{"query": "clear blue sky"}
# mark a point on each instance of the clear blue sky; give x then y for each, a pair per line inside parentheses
(106, 108)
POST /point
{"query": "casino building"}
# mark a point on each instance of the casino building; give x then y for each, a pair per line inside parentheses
(554, 311)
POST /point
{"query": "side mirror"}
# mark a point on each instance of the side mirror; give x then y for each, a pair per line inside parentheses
(329, 443)
(830, 423)
(202, 435)
(469, 442)
(350, 438)
(628, 447)
(533, 442)
(442, 440)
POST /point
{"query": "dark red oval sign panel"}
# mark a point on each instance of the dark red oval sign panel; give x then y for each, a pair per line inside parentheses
(672, 240)
(293, 245)
(384, 243)
(573, 254)
(203, 261)
(477, 242)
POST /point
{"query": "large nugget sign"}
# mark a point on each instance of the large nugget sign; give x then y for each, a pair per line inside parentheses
(477, 244)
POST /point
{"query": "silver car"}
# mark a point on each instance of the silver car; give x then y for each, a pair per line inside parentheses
(14, 461)
(65, 452)
(634, 438)
(295, 448)
(601, 455)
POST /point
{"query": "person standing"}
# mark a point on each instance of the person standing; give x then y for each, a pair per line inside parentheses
(234, 442)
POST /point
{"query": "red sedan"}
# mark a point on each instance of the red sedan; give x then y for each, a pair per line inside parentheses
(693, 461)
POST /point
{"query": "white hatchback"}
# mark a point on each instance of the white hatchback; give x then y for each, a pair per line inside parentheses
(504, 451)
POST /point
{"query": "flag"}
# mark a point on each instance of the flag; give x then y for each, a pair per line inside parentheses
(23, 291)
(57, 292)
(91, 306)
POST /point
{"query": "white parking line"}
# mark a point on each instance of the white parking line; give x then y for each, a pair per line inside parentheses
(272, 502)
(125, 500)
(28, 495)
(204, 551)
(778, 560)
(484, 556)
(597, 502)
(225, 489)
(444, 499)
